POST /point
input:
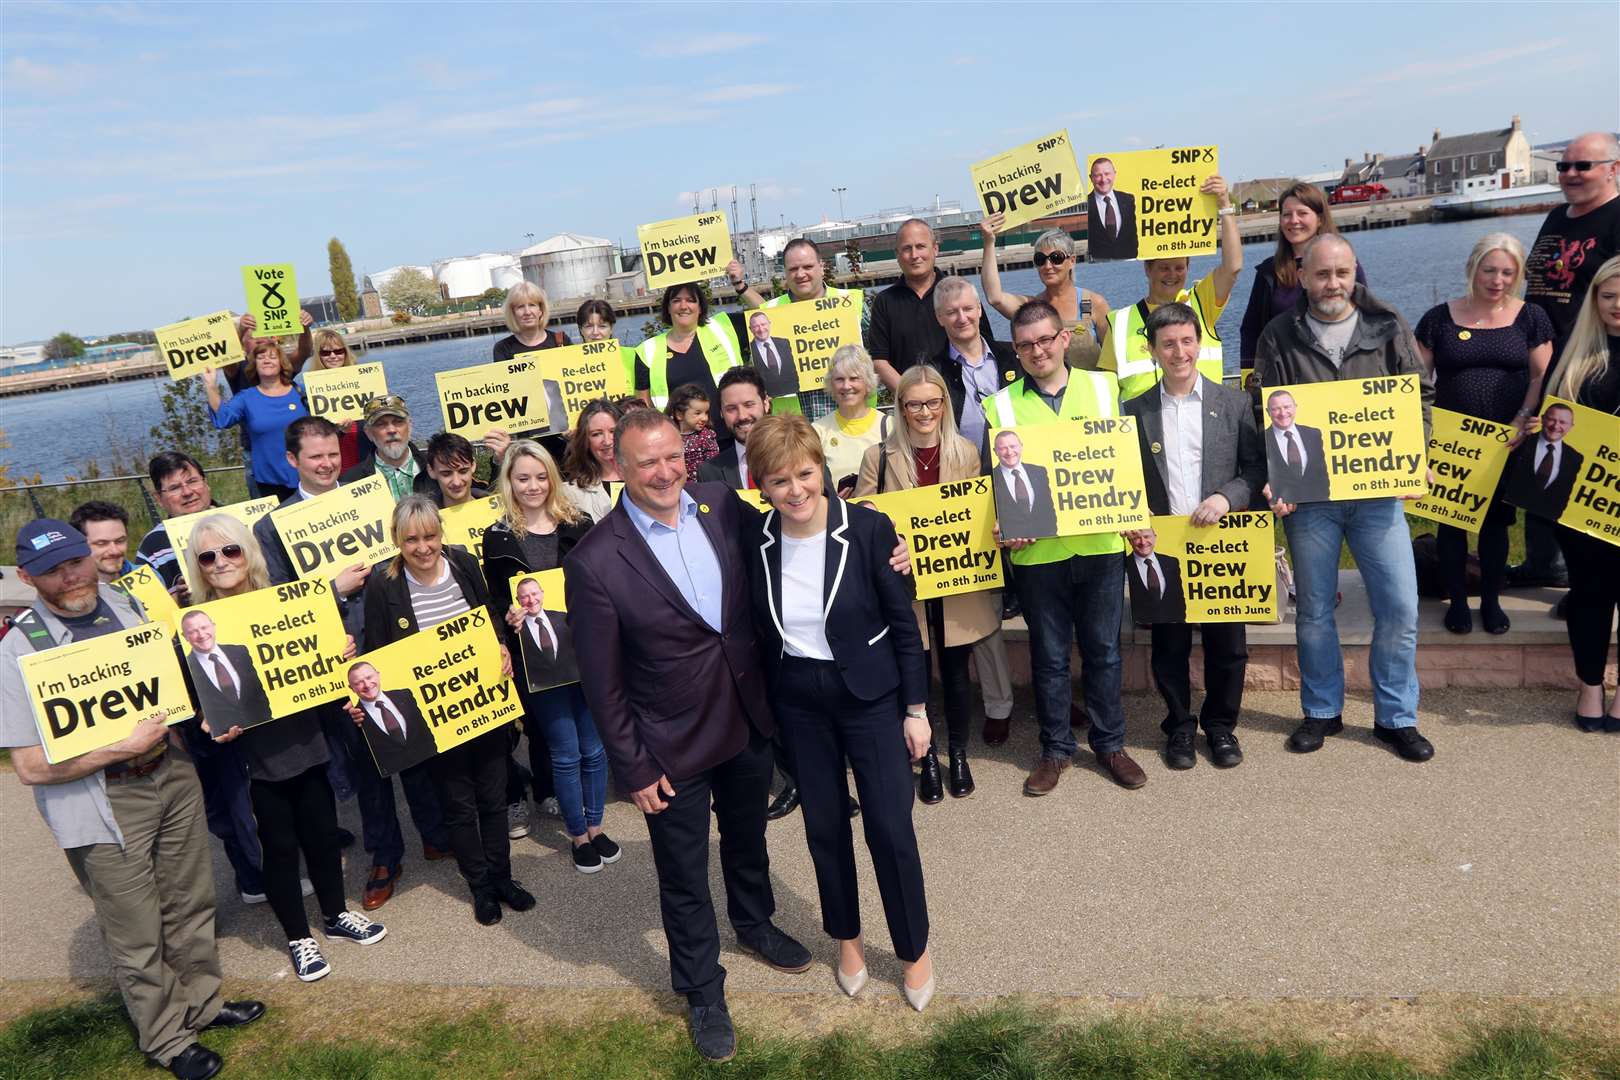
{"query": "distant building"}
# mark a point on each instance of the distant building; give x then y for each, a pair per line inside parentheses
(569, 266)
(12, 356)
(1454, 158)
(371, 305)
(1252, 196)
(323, 309)
(1402, 174)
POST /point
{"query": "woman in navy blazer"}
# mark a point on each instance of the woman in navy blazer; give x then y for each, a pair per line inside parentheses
(842, 654)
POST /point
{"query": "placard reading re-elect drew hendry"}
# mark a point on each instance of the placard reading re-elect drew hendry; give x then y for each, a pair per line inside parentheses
(266, 654)
(1225, 572)
(692, 248)
(272, 299)
(1466, 455)
(89, 694)
(1067, 478)
(792, 345)
(507, 394)
(197, 345)
(950, 529)
(1145, 204)
(1040, 177)
(179, 528)
(576, 375)
(440, 687)
(1350, 439)
(1569, 470)
(340, 394)
(347, 526)
(466, 524)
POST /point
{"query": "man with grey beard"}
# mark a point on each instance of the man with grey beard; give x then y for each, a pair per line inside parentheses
(1341, 331)
(401, 465)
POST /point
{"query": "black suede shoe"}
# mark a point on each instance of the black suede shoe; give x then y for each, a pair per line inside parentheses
(1224, 750)
(486, 907)
(1311, 731)
(1405, 741)
(237, 1013)
(929, 787)
(961, 775)
(776, 949)
(195, 1062)
(713, 1037)
(1178, 751)
(514, 895)
(784, 804)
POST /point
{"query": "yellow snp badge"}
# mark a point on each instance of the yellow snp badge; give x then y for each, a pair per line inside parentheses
(1157, 448)
(404, 623)
(1011, 375)
(703, 508)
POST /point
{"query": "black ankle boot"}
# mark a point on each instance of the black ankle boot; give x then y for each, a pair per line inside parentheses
(961, 775)
(929, 788)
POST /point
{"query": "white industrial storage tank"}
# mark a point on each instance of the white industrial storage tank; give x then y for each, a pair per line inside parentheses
(470, 275)
(569, 266)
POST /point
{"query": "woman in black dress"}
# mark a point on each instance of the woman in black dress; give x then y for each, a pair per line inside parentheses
(1489, 351)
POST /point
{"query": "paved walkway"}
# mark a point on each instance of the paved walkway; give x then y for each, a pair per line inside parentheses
(1494, 869)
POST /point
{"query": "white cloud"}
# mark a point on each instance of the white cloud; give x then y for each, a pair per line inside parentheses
(743, 92)
(705, 45)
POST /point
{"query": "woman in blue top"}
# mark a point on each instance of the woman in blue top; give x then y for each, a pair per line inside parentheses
(264, 410)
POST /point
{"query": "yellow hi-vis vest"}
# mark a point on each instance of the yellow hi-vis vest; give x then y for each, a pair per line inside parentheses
(1127, 354)
(720, 348)
(1088, 394)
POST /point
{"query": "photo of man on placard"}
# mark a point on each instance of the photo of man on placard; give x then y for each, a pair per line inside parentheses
(391, 721)
(772, 357)
(1542, 471)
(548, 647)
(1024, 507)
(228, 688)
(1295, 463)
(1110, 217)
(1155, 582)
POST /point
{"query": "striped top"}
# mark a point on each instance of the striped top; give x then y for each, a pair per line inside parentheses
(435, 603)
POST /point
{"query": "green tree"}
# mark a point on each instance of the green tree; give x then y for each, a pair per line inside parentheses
(62, 346)
(411, 291)
(493, 296)
(187, 426)
(343, 290)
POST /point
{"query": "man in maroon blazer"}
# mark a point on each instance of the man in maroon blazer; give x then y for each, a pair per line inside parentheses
(658, 599)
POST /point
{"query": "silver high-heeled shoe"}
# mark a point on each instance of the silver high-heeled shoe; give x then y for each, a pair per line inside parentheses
(850, 984)
(919, 998)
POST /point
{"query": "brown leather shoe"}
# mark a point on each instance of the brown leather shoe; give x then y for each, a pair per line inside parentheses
(1044, 777)
(995, 730)
(433, 854)
(1078, 720)
(1126, 773)
(379, 887)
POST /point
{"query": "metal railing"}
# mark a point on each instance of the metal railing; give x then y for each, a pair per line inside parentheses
(141, 482)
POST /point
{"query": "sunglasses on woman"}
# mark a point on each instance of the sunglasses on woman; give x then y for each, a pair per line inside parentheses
(1056, 258)
(230, 551)
(339, 351)
(1581, 166)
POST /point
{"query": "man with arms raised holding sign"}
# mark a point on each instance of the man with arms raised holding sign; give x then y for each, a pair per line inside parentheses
(1071, 586)
(1200, 459)
(1342, 331)
(129, 818)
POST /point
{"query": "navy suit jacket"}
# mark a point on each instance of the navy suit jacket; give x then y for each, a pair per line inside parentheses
(396, 755)
(220, 710)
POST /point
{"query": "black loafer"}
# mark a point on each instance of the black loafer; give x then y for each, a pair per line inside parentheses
(784, 804)
(195, 1062)
(776, 949)
(1406, 742)
(1224, 750)
(1311, 731)
(1178, 752)
(1589, 724)
(514, 895)
(486, 908)
(236, 1013)
(961, 776)
(713, 1036)
(930, 788)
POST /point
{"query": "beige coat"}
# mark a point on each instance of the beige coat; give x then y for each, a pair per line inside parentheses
(970, 617)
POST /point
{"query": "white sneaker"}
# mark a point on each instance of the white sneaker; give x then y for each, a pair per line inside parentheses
(308, 963)
(550, 805)
(517, 820)
(255, 897)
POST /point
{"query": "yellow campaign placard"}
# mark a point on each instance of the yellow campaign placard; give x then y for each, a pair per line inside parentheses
(1069, 478)
(1145, 204)
(1030, 181)
(692, 248)
(545, 641)
(507, 394)
(753, 497)
(144, 584)
(433, 690)
(576, 375)
(1226, 572)
(90, 694)
(466, 524)
(345, 527)
(340, 394)
(198, 345)
(1466, 455)
(1350, 439)
(272, 299)
(266, 654)
(1580, 486)
(950, 529)
(179, 528)
(792, 345)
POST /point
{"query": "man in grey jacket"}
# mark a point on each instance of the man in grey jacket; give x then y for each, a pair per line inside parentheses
(1341, 331)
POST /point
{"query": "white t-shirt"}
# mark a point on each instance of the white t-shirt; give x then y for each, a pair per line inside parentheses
(804, 575)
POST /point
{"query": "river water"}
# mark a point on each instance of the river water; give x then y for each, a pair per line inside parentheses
(1412, 267)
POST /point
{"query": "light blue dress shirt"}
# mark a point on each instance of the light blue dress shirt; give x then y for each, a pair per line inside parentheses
(686, 555)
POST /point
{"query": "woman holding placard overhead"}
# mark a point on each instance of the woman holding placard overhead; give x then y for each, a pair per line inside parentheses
(854, 426)
(925, 449)
(697, 348)
(527, 311)
(1588, 373)
(293, 805)
(264, 410)
(424, 585)
(1489, 351)
(1085, 313)
(329, 351)
(1302, 213)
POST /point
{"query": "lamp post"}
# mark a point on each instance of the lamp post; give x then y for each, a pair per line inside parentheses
(839, 191)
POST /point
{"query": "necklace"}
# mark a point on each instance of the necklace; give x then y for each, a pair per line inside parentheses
(1479, 323)
(926, 464)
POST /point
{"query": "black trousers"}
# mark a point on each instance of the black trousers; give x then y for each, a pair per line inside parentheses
(471, 782)
(679, 833)
(826, 725)
(1451, 548)
(952, 662)
(1594, 593)
(1226, 658)
(299, 815)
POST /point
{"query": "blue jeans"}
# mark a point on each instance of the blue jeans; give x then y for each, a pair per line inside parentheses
(578, 762)
(1083, 596)
(1381, 544)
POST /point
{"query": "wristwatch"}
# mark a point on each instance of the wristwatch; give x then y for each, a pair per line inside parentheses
(916, 715)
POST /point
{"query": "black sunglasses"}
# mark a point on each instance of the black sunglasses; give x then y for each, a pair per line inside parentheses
(230, 551)
(1056, 258)
(1581, 166)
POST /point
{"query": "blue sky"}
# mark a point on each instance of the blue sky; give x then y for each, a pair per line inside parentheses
(148, 151)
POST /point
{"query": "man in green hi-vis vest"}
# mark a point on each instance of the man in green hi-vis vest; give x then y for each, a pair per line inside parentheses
(1071, 587)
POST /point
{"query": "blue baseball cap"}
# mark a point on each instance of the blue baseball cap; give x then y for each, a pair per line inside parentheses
(46, 543)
